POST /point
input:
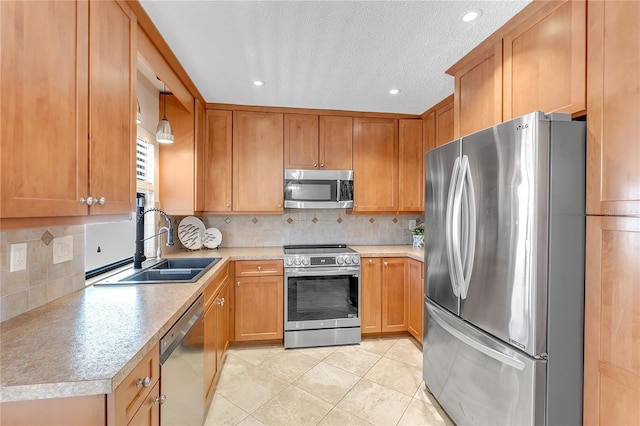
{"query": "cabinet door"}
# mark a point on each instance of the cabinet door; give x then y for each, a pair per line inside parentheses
(613, 104)
(200, 143)
(612, 321)
(258, 175)
(416, 298)
(112, 85)
(217, 161)
(371, 292)
(44, 89)
(259, 308)
(410, 166)
(223, 312)
(336, 143)
(375, 165)
(149, 412)
(545, 62)
(394, 294)
(210, 341)
(478, 92)
(301, 141)
(445, 122)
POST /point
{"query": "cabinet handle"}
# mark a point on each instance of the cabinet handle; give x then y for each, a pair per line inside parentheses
(279, 206)
(159, 399)
(386, 263)
(90, 201)
(259, 268)
(222, 301)
(83, 200)
(238, 284)
(143, 382)
(228, 204)
(321, 164)
(315, 164)
(101, 201)
(370, 261)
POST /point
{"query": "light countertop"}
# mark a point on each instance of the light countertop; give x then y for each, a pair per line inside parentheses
(87, 342)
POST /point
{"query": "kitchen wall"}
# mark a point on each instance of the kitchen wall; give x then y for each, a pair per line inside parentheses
(308, 227)
(42, 281)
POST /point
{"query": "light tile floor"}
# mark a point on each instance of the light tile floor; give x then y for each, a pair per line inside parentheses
(378, 382)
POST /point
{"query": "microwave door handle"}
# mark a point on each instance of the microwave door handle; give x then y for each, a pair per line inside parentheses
(338, 186)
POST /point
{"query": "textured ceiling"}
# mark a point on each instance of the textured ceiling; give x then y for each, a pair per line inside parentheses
(342, 55)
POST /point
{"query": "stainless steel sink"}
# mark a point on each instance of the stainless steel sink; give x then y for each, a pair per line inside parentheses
(176, 270)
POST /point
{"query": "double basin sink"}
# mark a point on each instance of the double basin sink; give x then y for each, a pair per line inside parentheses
(176, 270)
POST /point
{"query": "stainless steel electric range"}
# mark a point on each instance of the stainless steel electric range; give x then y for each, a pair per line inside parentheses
(321, 295)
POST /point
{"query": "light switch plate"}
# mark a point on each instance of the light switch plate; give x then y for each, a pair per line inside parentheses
(18, 257)
(62, 249)
(412, 223)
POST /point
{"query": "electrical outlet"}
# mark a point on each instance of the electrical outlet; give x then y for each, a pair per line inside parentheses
(18, 257)
(62, 249)
(412, 223)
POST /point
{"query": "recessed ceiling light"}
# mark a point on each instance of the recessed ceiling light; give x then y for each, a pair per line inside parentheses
(394, 91)
(472, 15)
(258, 83)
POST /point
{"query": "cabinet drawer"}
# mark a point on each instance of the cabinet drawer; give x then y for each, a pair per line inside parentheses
(252, 268)
(132, 392)
(221, 276)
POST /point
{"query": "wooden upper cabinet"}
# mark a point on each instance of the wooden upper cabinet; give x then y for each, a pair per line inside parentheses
(44, 107)
(375, 165)
(67, 108)
(200, 143)
(612, 317)
(478, 91)
(545, 61)
(410, 166)
(258, 174)
(444, 121)
(323, 143)
(301, 141)
(336, 142)
(217, 161)
(613, 104)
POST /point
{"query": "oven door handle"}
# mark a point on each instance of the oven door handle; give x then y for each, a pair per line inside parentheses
(319, 272)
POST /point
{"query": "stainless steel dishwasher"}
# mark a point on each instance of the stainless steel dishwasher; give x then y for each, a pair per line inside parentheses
(182, 369)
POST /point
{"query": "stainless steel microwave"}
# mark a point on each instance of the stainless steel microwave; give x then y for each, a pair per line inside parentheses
(318, 189)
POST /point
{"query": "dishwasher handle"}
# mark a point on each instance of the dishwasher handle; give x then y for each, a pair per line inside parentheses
(174, 336)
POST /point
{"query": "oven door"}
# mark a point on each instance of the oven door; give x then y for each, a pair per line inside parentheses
(317, 298)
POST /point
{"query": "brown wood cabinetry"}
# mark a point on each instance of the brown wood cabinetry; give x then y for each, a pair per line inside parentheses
(478, 91)
(545, 63)
(612, 321)
(336, 142)
(384, 295)
(149, 412)
(258, 300)
(200, 144)
(444, 119)
(415, 305)
(410, 166)
(80, 411)
(217, 161)
(613, 118)
(257, 162)
(375, 165)
(67, 108)
(216, 329)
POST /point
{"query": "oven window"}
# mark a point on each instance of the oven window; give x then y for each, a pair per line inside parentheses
(311, 190)
(322, 298)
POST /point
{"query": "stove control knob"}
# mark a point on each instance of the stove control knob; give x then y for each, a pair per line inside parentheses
(305, 261)
(355, 260)
(297, 261)
(347, 260)
(340, 260)
(288, 261)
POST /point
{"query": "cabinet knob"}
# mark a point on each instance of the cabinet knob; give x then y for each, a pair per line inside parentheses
(101, 201)
(386, 263)
(159, 399)
(370, 261)
(90, 201)
(83, 200)
(279, 206)
(321, 164)
(259, 268)
(228, 204)
(238, 284)
(315, 164)
(222, 301)
(143, 382)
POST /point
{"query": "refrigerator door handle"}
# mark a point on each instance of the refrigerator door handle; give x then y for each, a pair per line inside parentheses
(498, 356)
(470, 204)
(456, 219)
(455, 171)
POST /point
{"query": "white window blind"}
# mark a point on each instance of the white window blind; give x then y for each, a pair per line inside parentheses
(145, 170)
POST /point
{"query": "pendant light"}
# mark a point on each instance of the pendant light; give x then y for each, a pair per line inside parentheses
(164, 132)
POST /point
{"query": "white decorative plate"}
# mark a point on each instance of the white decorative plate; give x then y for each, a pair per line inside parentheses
(212, 238)
(190, 232)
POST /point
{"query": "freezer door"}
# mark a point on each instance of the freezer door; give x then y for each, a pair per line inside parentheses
(477, 379)
(441, 165)
(508, 168)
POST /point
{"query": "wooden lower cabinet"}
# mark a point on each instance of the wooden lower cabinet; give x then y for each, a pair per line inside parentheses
(415, 306)
(79, 410)
(612, 321)
(258, 301)
(384, 295)
(149, 412)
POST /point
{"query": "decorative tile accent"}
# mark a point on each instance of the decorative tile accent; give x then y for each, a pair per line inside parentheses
(289, 220)
(395, 220)
(314, 220)
(227, 220)
(339, 220)
(254, 220)
(371, 220)
(46, 237)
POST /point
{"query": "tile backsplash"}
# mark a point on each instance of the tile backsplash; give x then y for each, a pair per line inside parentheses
(309, 227)
(42, 281)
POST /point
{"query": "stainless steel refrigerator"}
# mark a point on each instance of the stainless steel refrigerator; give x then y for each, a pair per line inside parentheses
(504, 268)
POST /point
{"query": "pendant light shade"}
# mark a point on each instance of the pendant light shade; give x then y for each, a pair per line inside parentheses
(139, 114)
(164, 132)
